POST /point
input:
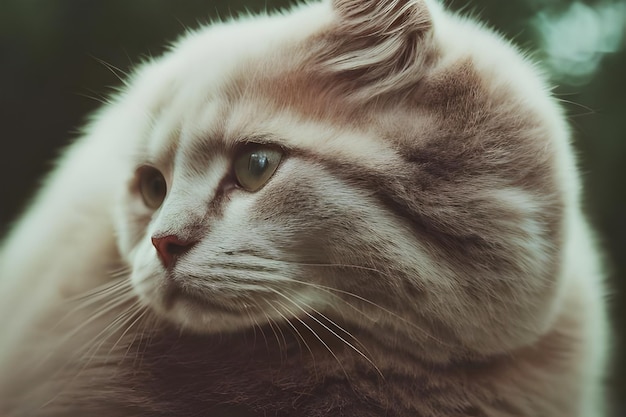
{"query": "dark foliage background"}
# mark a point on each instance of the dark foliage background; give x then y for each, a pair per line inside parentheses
(51, 78)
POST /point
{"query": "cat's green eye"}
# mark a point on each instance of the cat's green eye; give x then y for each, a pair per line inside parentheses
(255, 165)
(152, 186)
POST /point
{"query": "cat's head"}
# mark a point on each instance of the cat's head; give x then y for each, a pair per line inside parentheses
(382, 163)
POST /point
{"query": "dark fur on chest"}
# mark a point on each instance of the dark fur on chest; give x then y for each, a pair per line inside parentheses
(265, 372)
(291, 371)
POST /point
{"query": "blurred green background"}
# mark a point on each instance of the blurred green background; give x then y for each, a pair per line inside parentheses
(51, 77)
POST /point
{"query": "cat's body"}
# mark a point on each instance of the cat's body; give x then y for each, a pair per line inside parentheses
(403, 237)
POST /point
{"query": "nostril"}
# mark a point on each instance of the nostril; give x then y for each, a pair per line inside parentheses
(176, 248)
(170, 247)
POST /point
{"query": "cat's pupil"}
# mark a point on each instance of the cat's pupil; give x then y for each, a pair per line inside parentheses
(156, 187)
(257, 164)
(152, 187)
(254, 167)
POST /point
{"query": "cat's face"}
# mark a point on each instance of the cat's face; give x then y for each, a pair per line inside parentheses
(362, 161)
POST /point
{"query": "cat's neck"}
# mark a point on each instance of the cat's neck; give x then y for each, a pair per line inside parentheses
(308, 362)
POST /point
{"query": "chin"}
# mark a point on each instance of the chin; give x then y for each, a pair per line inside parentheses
(199, 313)
(191, 317)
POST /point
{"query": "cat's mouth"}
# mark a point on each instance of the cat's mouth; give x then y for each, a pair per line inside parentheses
(201, 312)
(221, 305)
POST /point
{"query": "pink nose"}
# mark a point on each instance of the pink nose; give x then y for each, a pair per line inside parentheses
(169, 248)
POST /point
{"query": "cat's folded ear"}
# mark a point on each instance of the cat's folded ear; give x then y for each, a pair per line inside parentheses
(379, 46)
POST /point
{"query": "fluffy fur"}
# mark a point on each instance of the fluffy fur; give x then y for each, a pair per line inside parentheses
(419, 251)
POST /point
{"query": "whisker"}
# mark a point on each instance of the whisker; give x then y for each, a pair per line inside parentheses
(104, 309)
(257, 325)
(147, 327)
(327, 265)
(316, 336)
(271, 324)
(332, 291)
(338, 336)
(366, 353)
(140, 313)
(107, 308)
(88, 347)
(104, 289)
(298, 334)
(114, 326)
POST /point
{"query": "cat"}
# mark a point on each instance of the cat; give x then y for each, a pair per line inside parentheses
(350, 208)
